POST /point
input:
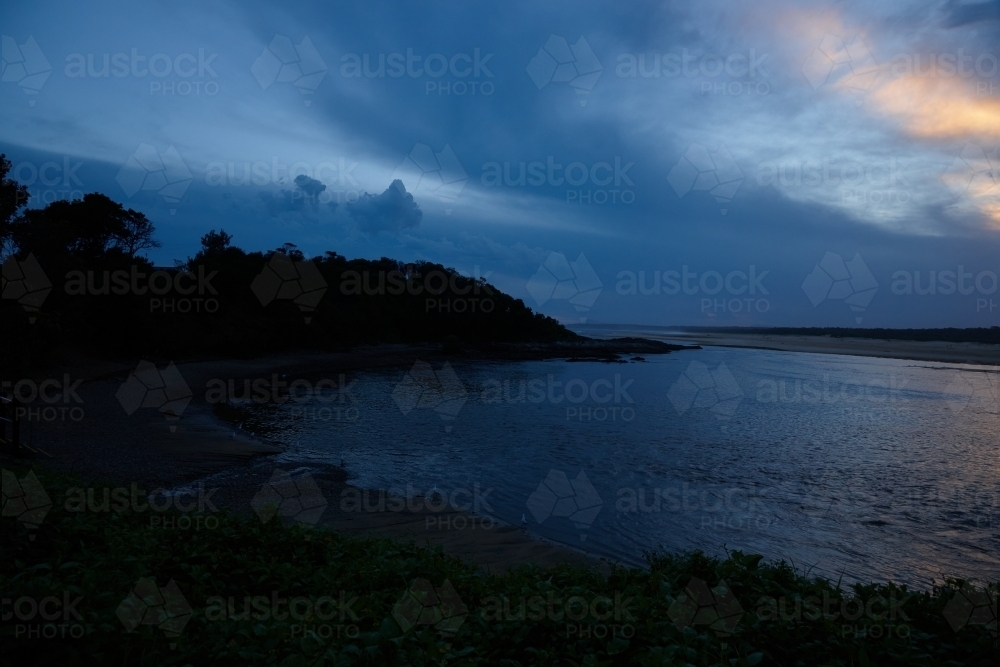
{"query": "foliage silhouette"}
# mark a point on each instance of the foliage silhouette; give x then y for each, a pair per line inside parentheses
(109, 301)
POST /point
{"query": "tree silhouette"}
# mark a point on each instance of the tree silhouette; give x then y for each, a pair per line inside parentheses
(88, 228)
(93, 245)
(216, 242)
(13, 197)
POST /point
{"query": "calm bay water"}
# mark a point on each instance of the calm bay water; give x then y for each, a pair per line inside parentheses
(865, 468)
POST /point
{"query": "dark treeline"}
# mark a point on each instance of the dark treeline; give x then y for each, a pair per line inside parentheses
(949, 335)
(105, 298)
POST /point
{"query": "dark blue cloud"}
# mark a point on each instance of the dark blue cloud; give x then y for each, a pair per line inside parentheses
(962, 13)
(306, 198)
(392, 211)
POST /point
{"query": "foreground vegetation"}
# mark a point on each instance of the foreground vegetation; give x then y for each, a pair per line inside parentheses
(245, 592)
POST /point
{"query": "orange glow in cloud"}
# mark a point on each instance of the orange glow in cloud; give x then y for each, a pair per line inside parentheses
(948, 110)
(938, 108)
(990, 207)
(974, 178)
(930, 110)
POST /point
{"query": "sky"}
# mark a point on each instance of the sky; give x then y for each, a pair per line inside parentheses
(713, 163)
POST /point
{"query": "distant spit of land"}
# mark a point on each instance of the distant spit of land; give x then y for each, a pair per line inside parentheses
(972, 346)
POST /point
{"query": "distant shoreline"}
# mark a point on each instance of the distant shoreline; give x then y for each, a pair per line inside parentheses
(988, 335)
(889, 348)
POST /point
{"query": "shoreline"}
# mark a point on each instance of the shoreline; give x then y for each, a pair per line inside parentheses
(202, 447)
(485, 541)
(934, 351)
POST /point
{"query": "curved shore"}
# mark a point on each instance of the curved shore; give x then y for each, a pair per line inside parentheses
(229, 456)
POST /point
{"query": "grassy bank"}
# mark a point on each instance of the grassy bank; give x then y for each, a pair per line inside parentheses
(119, 582)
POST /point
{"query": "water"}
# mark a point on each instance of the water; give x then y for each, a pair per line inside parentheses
(861, 468)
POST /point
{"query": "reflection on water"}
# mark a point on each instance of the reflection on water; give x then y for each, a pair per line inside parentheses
(862, 467)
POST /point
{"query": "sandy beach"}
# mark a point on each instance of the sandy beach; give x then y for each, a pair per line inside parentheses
(966, 353)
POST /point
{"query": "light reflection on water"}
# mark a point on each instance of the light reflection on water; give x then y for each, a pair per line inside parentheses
(868, 468)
